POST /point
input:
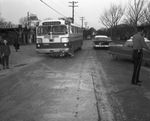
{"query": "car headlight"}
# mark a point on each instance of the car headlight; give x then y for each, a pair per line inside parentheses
(39, 40)
(64, 39)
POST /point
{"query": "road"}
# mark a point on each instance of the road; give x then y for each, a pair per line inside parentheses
(91, 86)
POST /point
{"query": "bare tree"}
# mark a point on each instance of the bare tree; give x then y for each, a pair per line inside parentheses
(112, 16)
(146, 16)
(9, 24)
(2, 21)
(135, 12)
(23, 21)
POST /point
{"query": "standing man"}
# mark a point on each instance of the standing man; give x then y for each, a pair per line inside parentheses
(0, 53)
(5, 54)
(137, 55)
(16, 45)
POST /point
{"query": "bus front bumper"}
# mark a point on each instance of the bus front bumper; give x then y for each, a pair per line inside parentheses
(56, 51)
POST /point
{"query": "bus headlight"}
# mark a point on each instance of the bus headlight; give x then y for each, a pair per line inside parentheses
(39, 40)
(38, 45)
(64, 39)
(65, 45)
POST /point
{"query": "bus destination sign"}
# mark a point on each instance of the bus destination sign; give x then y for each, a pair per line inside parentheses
(52, 23)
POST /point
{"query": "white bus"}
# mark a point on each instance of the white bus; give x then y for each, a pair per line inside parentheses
(58, 37)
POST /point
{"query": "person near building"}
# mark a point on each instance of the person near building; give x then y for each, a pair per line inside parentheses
(138, 45)
(5, 54)
(16, 45)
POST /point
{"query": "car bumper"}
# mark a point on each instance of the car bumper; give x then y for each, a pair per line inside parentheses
(101, 46)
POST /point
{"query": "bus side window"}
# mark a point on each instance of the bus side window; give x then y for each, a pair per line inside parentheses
(64, 29)
(38, 31)
(70, 29)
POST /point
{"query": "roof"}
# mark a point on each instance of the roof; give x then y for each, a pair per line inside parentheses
(103, 36)
(146, 40)
(60, 20)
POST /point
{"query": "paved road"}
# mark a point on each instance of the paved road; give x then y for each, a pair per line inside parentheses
(89, 87)
(50, 89)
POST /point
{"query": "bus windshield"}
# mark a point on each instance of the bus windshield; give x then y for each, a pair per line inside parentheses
(56, 30)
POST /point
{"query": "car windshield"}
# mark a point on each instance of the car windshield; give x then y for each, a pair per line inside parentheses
(101, 38)
(56, 30)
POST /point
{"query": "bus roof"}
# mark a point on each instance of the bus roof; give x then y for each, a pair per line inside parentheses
(63, 22)
(57, 20)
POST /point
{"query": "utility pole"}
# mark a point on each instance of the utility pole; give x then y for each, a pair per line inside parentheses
(0, 9)
(86, 24)
(73, 5)
(28, 19)
(82, 18)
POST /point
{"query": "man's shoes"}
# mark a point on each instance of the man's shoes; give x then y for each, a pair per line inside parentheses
(139, 81)
(137, 84)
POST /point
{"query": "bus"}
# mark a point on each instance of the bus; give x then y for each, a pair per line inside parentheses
(58, 37)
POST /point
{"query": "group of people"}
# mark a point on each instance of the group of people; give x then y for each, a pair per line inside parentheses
(4, 53)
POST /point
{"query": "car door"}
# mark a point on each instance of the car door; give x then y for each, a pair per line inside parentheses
(127, 50)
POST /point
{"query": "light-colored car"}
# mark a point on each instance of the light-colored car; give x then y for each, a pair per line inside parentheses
(101, 41)
(125, 51)
(129, 42)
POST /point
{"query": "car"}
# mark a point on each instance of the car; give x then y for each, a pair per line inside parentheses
(125, 51)
(88, 37)
(101, 41)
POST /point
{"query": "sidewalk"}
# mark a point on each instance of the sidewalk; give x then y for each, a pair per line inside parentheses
(25, 55)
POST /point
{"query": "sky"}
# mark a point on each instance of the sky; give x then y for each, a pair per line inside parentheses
(91, 10)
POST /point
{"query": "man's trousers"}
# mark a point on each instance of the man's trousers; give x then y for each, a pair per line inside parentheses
(137, 56)
(5, 61)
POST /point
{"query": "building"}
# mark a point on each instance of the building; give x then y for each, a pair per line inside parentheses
(18, 33)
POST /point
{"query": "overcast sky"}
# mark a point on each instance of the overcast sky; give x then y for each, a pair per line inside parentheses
(13, 10)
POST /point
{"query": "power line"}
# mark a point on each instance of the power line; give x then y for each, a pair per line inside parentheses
(55, 10)
(52, 8)
(60, 6)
